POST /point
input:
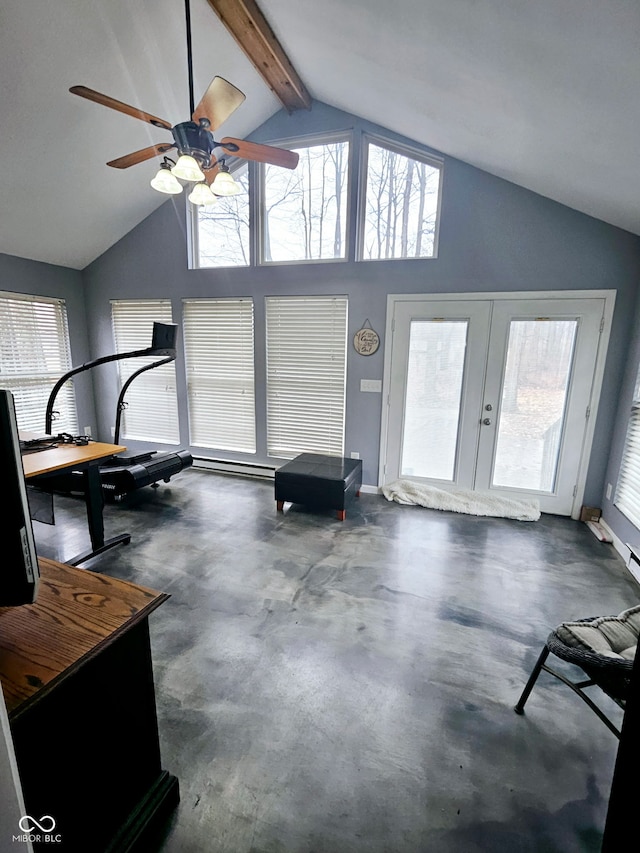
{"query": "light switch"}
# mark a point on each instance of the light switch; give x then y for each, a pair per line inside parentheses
(371, 385)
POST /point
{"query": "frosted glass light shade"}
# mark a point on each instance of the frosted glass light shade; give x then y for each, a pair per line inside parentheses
(187, 169)
(223, 184)
(201, 194)
(165, 182)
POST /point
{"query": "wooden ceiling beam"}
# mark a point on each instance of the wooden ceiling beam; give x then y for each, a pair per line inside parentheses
(250, 29)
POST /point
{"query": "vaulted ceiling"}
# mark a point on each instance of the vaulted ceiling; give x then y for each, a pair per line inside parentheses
(544, 94)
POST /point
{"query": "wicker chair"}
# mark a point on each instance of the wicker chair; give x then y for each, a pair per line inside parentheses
(604, 649)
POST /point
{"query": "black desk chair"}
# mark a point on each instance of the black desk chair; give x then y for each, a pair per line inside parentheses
(603, 647)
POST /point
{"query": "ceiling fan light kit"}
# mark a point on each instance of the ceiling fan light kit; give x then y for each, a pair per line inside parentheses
(194, 140)
(187, 169)
(223, 183)
(201, 195)
(164, 181)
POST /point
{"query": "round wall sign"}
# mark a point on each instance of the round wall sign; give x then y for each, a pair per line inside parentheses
(366, 341)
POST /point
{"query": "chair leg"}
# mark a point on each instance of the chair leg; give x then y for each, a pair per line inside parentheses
(519, 708)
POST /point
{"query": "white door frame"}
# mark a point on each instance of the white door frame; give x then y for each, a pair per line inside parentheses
(608, 296)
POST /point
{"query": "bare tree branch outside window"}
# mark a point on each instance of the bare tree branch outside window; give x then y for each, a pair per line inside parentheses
(224, 228)
(401, 206)
(305, 209)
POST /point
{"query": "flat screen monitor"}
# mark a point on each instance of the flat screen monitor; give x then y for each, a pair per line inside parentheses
(164, 337)
(19, 573)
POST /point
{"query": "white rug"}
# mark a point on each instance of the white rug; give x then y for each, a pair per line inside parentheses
(460, 500)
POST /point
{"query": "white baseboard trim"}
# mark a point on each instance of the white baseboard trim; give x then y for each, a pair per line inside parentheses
(631, 560)
(370, 490)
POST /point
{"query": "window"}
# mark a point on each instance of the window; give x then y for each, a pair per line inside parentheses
(218, 338)
(402, 202)
(627, 497)
(302, 214)
(305, 209)
(306, 374)
(151, 413)
(34, 354)
(222, 230)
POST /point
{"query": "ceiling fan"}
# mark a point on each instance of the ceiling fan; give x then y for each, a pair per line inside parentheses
(194, 140)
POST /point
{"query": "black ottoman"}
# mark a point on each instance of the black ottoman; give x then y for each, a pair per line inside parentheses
(317, 480)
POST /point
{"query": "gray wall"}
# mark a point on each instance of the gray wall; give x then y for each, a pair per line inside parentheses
(621, 526)
(18, 275)
(494, 236)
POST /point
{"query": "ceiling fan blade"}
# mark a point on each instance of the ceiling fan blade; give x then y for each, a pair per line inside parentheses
(106, 101)
(261, 153)
(140, 156)
(218, 102)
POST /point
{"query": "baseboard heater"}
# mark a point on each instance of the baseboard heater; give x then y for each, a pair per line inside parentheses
(250, 469)
(634, 557)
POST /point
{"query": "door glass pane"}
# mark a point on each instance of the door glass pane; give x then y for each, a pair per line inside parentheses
(432, 403)
(534, 397)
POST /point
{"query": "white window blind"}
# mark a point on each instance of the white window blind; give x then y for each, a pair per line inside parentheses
(151, 412)
(219, 351)
(627, 497)
(306, 374)
(34, 354)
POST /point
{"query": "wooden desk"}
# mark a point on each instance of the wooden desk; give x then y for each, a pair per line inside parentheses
(66, 457)
(43, 464)
(77, 679)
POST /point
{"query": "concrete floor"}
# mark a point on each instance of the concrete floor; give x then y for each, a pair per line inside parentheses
(328, 687)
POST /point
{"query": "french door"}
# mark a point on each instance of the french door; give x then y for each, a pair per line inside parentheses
(493, 394)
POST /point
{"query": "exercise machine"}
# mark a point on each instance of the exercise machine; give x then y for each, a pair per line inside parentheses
(121, 475)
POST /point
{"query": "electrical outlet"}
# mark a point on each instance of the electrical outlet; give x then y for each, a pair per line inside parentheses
(113, 432)
(609, 488)
(355, 454)
(87, 431)
(371, 385)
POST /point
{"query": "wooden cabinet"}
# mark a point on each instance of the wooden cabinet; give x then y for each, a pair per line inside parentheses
(77, 678)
